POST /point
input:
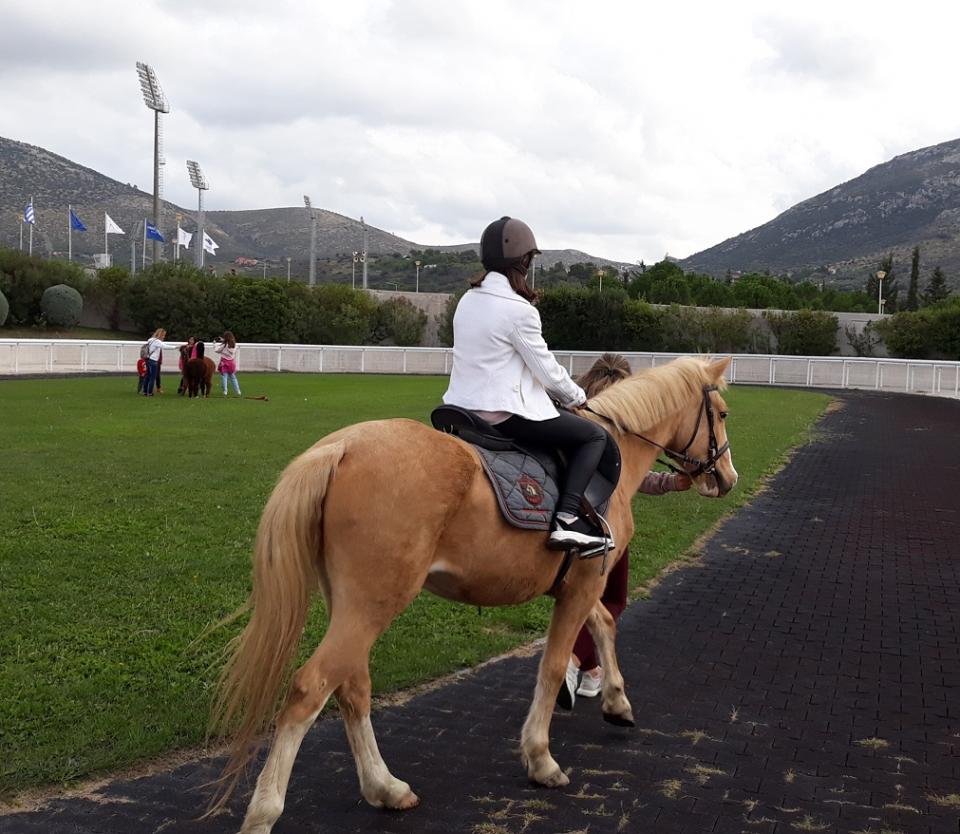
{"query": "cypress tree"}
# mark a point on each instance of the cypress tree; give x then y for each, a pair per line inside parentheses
(912, 302)
(936, 290)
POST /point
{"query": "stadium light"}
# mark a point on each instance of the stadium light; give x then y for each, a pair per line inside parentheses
(198, 181)
(156, 101)
(313, 241)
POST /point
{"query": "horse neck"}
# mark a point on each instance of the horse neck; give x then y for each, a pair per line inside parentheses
(637, 456)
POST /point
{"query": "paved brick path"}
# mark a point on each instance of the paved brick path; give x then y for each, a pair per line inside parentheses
(804, 678)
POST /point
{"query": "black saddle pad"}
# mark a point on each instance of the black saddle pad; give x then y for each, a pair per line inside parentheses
(526, 480)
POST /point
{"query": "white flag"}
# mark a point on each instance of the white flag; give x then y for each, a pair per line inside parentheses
(112, 228)
(209, 245)
(183, 238)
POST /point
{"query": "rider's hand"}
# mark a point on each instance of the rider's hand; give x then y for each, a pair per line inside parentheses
(681, 482)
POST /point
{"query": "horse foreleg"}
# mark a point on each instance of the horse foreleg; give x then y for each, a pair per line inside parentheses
(379, 787)
(310, 689)
(615, 706)
(569, 614)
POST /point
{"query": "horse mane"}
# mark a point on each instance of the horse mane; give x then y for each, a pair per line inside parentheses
(646, 398)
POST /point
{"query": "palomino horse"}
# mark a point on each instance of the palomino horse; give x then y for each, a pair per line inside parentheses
(373, 513)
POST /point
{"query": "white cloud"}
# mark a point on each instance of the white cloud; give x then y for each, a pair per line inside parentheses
(620, 129)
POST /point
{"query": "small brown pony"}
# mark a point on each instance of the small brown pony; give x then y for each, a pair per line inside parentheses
(377, 511)
(197, 374)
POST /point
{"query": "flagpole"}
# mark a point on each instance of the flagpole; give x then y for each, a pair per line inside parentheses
(143, 255)
(21, 233)
(69, 234)
(31, 225)
(176, 251)
(106, 249)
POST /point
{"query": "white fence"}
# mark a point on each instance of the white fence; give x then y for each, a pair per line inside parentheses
(75, 356)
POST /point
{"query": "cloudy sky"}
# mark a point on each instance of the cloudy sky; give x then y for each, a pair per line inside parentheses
(622, 130)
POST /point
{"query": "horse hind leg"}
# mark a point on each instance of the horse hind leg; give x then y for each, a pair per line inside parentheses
(379, 787)
(310, 690)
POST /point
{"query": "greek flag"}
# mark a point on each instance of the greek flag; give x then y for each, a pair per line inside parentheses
(209, 245)
(75, 222)
(28, 213)
(154, 233)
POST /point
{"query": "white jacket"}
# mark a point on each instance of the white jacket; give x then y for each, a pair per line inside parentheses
(500, 360)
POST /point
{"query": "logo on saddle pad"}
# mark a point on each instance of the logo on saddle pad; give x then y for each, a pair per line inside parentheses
(531, 490)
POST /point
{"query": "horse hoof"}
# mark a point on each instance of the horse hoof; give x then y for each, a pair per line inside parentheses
(557, 779)
(619, 720)
(405, 803)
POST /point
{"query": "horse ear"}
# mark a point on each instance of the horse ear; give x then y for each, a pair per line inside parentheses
(719, 367)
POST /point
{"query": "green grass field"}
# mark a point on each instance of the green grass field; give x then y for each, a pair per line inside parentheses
(127, 529)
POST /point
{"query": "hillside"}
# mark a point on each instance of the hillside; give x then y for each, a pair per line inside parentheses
(263, 234)
(914, 199)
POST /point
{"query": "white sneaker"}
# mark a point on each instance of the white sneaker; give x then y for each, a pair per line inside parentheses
(590, 686)
(568, 687)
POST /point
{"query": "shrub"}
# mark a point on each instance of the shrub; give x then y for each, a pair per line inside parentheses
(61, 305)
(863, 342)
(804, 333)
(907, 335)
(4, 308)
(445, 320)
(398, 321)
(642, 327)
(108, 291)
(945, 330)
(23, 278)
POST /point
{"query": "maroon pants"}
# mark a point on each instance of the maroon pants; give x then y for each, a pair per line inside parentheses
(615, 600)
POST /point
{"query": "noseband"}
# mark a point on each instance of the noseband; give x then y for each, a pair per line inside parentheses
(700, 467)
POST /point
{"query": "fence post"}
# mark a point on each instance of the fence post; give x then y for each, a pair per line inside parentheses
(843, 374)
(773, 373)
(733, 370)
(279, 356)
(83, 357)
(16, 358)
(321, 358)
(878, 377)
(363, 360)
(810, 371)
(404, 360)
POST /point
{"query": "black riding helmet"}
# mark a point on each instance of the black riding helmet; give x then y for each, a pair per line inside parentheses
(504, 242)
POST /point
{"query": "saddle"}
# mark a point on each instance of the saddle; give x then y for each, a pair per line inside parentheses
(526, 479)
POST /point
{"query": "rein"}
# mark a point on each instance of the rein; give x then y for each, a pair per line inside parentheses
(701, 467)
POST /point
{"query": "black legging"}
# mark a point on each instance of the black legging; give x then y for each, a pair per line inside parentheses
(583, 443)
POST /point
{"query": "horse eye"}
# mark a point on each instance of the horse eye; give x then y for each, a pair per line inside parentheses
(723, 415)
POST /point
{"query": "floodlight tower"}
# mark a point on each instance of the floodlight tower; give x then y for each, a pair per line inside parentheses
(363, 253)
(156, 101)
(313, 240)
(198, 181)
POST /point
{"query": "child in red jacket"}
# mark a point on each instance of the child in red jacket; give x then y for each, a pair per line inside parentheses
(141, 375)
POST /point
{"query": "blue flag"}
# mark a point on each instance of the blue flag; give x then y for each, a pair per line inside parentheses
(154, 233)
(75, 222)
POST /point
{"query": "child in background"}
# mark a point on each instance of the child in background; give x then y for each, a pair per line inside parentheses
(227, 348)
(141, 375)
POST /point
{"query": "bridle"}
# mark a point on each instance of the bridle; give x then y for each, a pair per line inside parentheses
(700, 467)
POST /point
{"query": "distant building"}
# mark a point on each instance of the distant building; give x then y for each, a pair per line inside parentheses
(241, 261)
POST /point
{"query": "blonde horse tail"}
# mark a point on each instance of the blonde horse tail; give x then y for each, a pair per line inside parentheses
(286, 574)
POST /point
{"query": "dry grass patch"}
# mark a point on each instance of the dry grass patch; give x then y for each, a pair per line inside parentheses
(670, 788)
(873, 743)
(950, 800)
(703, 774)
(809, 823)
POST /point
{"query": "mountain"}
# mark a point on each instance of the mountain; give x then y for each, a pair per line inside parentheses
(912, 200)
(261, 234)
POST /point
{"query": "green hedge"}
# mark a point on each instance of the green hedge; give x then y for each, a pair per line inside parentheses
(23, 279)
(804, 333)
(931, 333)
